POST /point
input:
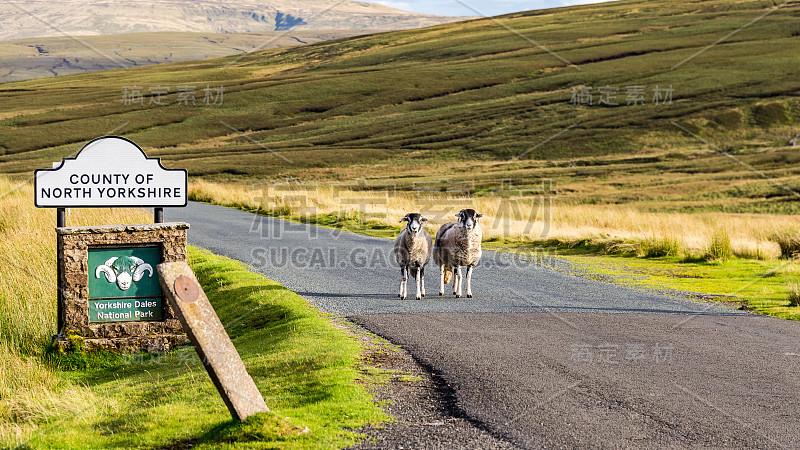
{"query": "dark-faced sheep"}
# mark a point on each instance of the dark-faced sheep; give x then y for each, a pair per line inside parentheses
(458, 244)
(412, 250)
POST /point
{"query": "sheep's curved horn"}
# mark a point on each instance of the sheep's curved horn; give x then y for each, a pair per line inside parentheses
(110, 261)
(139, 273)
(111, 277)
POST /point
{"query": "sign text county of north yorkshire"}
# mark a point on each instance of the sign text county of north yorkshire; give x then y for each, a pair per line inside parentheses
(110, 172)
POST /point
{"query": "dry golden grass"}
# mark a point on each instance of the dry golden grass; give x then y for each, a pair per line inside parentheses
(29, 392)
(515, 219)
(28, 255)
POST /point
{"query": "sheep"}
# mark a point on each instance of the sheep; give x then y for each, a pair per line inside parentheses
(123, 270)
(412, 250)
(458, 244)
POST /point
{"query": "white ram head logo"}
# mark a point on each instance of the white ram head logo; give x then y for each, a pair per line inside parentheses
(123, 270)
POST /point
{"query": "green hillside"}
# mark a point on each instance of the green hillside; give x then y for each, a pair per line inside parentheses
(465, 100)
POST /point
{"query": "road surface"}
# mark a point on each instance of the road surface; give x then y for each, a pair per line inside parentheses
(541, 358)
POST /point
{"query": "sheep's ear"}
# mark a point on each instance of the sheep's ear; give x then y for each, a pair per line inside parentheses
(479, 215)
(404, 219)
(458, 215)
(424, 219)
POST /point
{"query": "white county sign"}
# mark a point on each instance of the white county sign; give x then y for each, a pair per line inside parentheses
(110, 172)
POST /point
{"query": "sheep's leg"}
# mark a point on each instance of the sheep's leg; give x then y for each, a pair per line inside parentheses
(469, 281)
(459, 281)
(403, 282)
(419, 283)
(421, 275)
(455, 279)
(441, 280)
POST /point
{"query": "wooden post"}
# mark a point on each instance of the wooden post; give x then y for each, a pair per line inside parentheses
(210, 339)
(158, 215)
(61, 222)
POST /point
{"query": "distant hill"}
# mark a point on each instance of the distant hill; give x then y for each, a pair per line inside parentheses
(35, 18)
(23, 59)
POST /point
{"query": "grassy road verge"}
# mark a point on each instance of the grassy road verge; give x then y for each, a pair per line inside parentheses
(761, 286)
(308, 369)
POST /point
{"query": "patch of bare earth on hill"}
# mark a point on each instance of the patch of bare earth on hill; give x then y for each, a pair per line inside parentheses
(424, 410)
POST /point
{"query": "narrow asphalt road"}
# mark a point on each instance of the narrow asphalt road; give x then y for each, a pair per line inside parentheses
(541, 358)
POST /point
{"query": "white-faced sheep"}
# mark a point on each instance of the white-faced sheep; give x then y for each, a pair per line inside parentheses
(458, 244)
(412, 250)
(123, 270)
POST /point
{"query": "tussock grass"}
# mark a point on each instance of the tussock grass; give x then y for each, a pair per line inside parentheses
(719, 246)
(615, 229)
(660, 247)
(788, 240)
(794, 294)
(756, 253)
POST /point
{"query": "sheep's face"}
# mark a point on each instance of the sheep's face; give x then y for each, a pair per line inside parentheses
(415, 222)
(469, 218)
(124, 268)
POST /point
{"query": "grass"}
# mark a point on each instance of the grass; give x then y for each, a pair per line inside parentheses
(472, 104)
(660, 246)
(524, 218)
(788, 240)
(720, 248)
(308, 370)
(31, 393)
(794, 294)
(304, 366)
(761, 286)
(28, 254)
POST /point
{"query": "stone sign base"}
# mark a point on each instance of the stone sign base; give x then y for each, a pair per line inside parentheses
(134, 344)
(115, 285)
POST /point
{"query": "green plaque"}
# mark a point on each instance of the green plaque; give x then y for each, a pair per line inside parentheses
(123, 285)
(125, 310)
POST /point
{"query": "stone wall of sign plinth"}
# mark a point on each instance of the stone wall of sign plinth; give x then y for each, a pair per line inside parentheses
(76, 327)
